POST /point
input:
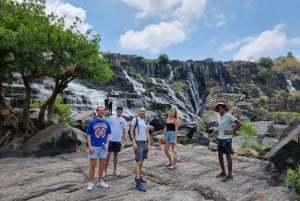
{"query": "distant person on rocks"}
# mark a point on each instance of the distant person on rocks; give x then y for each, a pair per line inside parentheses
(98, 136)
(110, 105)
(106, 100)
(170, 137)
(117, 138)
(141, 144)
(227, 126)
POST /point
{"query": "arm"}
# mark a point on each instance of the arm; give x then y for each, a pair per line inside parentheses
(107, 142)
(132, 137)
(148, 139)
(176, 130)
(91, 149)
(124, 135)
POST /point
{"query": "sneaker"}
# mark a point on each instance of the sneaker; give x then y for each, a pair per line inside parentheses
(102, 184)
(141, 179)
(139, 185)
(227, 178)
(222, 174)
(90, 186)
(116, 173)
(104, 175)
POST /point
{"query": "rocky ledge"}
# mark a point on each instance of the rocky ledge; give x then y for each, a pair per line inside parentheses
(64, 177)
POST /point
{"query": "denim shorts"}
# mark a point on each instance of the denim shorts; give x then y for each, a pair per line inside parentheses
(114, 146)
(170, 137)
(99, 153)
(142, 151)
(224, 146)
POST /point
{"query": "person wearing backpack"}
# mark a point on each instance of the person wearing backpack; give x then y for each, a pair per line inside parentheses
(141, 144)
(117, 138)
(170, 137)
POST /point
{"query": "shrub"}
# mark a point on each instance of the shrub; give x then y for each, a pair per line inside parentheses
(292, 179)
(202, 126)
(63, 111)
(291, 115)
(247, 130)
(260, 148)
(180, 86)
(260, 111)
(182, 140)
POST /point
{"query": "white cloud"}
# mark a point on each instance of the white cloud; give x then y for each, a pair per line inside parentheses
(176, 15)
(236, 44)
(153, 37)
(264, 44)
(68, 11)
(295, 41)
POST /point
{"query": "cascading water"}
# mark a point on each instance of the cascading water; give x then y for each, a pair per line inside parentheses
(138, 87)
(290, 86)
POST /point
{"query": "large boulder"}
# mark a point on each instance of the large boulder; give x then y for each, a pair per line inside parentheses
(54, 140)
(287, 152)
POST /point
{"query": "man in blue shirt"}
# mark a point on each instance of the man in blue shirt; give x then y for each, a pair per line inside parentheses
(98, 136)
(226, 123)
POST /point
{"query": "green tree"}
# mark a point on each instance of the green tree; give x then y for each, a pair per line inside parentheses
(164, 67)
(266, 62)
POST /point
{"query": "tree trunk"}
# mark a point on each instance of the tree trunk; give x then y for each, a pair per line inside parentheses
(25, 114)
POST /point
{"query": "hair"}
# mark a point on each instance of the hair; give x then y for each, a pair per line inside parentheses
(100, 106)
(175, 116)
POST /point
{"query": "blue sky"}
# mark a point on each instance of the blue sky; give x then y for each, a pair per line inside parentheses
(190, 29)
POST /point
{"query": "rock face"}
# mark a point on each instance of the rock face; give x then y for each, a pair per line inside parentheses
(65, 177)
(287, 152)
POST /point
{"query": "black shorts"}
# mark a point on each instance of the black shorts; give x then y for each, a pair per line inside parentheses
(224, 146)
(114, 146)
(142, 151)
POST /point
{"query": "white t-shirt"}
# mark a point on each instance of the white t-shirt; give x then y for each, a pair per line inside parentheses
(140, 130)
(117, 124)
(225, 122)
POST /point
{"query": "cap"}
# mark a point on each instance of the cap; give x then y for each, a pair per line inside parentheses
(220, 104)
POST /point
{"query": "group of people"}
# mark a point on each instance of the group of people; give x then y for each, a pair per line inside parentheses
(108, 102)
(106, 136)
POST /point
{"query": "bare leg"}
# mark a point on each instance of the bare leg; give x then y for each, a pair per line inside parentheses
(221, 162)
(115, 161)
(107, 161)
(102, 163)
(229, 163)
(138, 166)
(174, 154)
(93, 163)
(166, 150)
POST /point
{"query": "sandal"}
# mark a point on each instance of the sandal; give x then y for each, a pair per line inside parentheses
(169, 164)
(172, 167)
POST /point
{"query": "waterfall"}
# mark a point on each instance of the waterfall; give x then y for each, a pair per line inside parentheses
(220, 74)
(171, 75)
(290, 86)
(194, 92)
(138, 87)
(153, 80)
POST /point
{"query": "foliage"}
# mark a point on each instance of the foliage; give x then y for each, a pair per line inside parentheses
(295, 96)
(182, 140)
(260, 111)
(266, 62)
(260, 148)
(289, 62)
(290, 115)
(292, 179)
(264, 75)
(152, 89)
(202, 126)
(247, 130)
(63, 111)
(163, 59)
(132, 73)
(179, 86)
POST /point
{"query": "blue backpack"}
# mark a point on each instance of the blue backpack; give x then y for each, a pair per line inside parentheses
(135, 125)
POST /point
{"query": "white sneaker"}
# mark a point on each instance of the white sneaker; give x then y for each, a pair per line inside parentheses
(104, 174)
(117, 173)
(102, 184)
(90, 186)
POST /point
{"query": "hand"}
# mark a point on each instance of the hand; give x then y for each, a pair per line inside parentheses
(149, 147)
(123, 141)
(91, 150)
(228, 132)
(134, 145)
(106, 146)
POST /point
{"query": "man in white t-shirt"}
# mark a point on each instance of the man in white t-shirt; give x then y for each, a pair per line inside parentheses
(226, 122)
(117, 138)
(141, 144)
